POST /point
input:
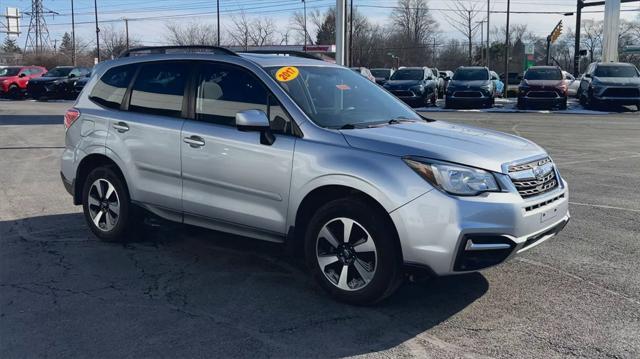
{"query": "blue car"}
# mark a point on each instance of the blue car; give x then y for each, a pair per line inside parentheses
(498, 84)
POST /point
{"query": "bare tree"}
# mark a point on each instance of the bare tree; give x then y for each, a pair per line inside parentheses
(113, 42)
(191, 34)
(262, 32)
(414, 28)
(464, 18)
(297, 24)
(591, 37)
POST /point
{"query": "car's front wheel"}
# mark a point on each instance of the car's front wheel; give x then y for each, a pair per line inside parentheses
(352, 252)
(106, 204)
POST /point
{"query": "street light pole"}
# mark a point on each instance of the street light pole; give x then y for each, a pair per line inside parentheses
(95, 7)
(126, 30)
(506, 53)
(304, 4)
(351, 34)
(218, 21)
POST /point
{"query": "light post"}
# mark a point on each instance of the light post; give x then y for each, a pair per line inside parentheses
(506, 53)
(73, 35)
(218, 21)
(304, 4)
(394, 57)
(95, 7)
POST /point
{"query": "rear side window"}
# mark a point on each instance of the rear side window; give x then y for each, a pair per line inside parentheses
(159, 88)
(111, 87)
(225, 90)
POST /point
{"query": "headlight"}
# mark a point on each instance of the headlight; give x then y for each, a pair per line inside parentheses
(455, 179)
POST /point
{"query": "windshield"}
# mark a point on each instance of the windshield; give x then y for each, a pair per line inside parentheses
(58, 72)
(543, 74)
(381, 73)
(616, 71)
(408, 74)
(471, 75)
(9, 71)
(336, 97)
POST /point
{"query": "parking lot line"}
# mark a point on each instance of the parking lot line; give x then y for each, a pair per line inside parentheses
(604, 206)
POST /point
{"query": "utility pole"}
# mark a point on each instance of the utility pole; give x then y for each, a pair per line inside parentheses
(506, 53)
(481, 39)
(126, 30)
(611, 30)
(304, 4)
(73, 35)
(470, 36)
(340, 27)
(488, 13)
(351, 34)
(95, 8)
(55, 45)
(218, 21)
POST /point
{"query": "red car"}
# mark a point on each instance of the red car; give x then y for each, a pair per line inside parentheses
(14, 79)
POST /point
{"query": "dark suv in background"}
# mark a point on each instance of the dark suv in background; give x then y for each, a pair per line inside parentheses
(470, 87)
(417, 86)
(614, 83)
(382, 75)
(543, 86)
(58, 83)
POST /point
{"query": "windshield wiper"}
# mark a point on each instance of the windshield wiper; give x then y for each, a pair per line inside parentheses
(348, 126)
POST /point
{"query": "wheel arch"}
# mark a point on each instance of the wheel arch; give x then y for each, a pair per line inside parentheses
(86, 165)
(321, 195)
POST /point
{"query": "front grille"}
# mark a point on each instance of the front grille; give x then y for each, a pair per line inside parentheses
(403, 93)
(467, 94)
(542, 94)
(621, 92)
(534, 178)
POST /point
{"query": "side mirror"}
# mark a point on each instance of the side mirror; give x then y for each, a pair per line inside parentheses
(22, 75)
(255, 120)
(71, 76)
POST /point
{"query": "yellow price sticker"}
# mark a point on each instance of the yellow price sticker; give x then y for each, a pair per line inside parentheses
(287, 73)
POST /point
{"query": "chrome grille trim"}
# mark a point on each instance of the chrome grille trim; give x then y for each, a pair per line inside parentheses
(544, 203)
(534, 177)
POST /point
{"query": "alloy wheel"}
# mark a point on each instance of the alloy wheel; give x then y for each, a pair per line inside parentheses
(346, 254)
(104, 205)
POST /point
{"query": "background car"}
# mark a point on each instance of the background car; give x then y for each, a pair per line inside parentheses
(499, 85)
(78, 85)
(572, 83)
(543, 86)
(416, 86)
(512, 81)
(439, 81)
(55, 84)
(446, 77)
(382, 75)
(364, 72)
(14, 79)
(471, 86)
(611, 83)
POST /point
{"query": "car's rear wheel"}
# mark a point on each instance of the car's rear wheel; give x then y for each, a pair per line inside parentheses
(107, 206)
(563, 105)
(352, 252)
(13, 92)
(521, 104)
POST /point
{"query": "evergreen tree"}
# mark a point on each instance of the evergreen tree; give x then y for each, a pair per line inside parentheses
(66, 44)
(10, 46)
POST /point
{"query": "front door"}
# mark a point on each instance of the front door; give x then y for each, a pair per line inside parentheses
(229, 178)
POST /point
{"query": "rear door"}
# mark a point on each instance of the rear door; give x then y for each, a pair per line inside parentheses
(229, 177)
(145, 132)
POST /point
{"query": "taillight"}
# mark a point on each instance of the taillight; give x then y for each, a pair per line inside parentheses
(70, 117)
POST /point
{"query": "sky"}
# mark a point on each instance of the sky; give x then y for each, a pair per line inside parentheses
(148, 17)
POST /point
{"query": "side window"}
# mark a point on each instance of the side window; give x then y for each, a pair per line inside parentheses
(159, 88)
(111, 87)
(224, 90)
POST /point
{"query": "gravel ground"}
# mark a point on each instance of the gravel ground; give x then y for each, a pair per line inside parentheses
(186, 292)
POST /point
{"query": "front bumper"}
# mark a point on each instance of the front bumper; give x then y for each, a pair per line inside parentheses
(483, 100)
(603, 96)
(543, 101)
(451, 235)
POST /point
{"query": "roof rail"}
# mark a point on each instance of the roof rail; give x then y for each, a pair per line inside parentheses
(295, 53)
(150, 50)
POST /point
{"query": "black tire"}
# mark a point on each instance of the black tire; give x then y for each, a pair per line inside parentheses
(563, 105)
(387, 271)
(13, 92)
(434, 99)
(126, 220)
(522, 105)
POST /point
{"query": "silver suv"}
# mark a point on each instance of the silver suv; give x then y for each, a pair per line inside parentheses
(310, 154)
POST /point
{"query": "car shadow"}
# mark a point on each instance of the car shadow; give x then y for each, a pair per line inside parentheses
(31, 120)
(212, 292)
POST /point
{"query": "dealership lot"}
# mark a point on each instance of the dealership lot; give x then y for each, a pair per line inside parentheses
(185, 292)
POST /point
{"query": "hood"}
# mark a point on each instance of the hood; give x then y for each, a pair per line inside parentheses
(541, 83)
(43, 79)
(617, 81)
(402, 83)
(445, 141)
(470, 84)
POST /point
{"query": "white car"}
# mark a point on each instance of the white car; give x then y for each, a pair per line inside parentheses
(572, 83)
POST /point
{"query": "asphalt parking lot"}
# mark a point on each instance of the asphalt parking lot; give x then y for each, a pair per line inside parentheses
(184, 292)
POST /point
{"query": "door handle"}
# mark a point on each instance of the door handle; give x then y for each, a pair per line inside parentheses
(194, 141)
(121, 127)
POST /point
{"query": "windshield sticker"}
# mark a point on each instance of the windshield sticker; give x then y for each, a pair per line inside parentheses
(343, 87)
(287, 73)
